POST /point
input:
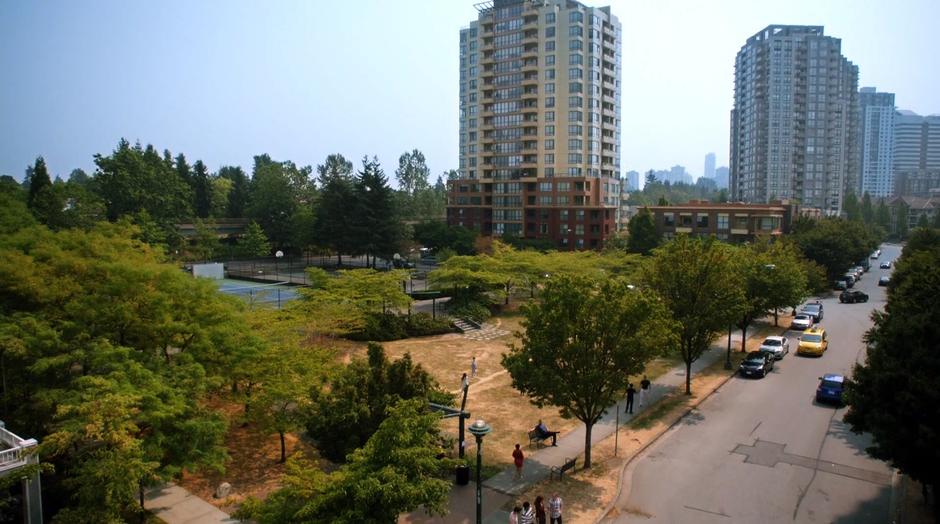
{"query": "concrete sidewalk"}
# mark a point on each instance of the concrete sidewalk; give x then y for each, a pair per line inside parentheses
(174, 505)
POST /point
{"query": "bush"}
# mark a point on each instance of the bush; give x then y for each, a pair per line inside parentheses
(422, 324)
(474, 310)
(381, 327)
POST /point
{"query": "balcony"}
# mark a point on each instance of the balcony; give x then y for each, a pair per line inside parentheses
(16, 454)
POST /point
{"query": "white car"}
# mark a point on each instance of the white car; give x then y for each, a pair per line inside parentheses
(777, 346)
(801, 322)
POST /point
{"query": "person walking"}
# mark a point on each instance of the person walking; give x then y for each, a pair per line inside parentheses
(473, 367)
(528, 514)
(631, 391)
(514, 516)
(540, 510)
(644, 390)
(518, 458)
(554, 508)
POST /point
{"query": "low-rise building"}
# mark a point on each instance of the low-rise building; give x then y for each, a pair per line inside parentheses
(917, 207)
(735, 222)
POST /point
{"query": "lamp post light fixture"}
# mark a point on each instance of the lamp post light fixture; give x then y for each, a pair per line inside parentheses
(277, 256)
(479, 430)
(728, 354)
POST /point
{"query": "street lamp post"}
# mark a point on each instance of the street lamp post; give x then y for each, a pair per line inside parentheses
(728, 354)
(479, 430)
(277, 257)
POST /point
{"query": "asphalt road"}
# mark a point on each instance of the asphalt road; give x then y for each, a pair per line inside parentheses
(762, 450)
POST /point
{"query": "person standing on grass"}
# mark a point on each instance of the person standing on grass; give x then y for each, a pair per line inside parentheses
(554, 509)
(540, 510)
(528, 515)
(644, 390)
(473, 367)
(518, 458)
(631, 391)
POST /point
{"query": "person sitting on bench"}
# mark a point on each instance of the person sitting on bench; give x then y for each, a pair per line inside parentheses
(545, 433)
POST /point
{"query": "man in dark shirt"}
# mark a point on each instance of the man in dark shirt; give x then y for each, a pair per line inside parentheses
(545, 433)
(631, 391)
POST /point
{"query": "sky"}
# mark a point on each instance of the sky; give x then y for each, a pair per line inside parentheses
(224, 80)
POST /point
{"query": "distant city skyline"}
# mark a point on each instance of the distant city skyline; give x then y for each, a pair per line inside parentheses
(224, 81)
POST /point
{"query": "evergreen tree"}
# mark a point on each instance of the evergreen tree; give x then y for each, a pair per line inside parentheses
(254, 243)
(336, 214)
(868, 210)
(42, 199)
(903, 220)
(202, 190)
(238, 194)
(272, 204)
(38, 180)
(850, 207)
(643, 237)
(883, 215)
(377, 229)
(335, 166)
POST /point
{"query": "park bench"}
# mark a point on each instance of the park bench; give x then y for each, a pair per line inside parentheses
(535, 437)
(569, 464)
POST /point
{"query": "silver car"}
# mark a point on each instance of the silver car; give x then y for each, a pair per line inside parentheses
(801, 322)
(777, 346)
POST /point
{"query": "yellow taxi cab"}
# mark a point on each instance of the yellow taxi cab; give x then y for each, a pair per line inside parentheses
(813, 341)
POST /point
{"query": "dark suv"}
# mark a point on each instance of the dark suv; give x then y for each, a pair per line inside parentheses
(815, 310)
(852, 296)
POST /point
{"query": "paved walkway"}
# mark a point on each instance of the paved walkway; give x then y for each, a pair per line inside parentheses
(503, 487)
(174, 505)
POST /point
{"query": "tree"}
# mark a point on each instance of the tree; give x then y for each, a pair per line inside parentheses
(377, 229)
(893, 395)
(700, 286)
(412, 173)
(221, 190)
(643, 235)
(253, 243)
(238, 195)
(883, 215)
(345, 416)
(438, 235)
(850, 207)
(396, 471)
(14, 215)
(834, 243)
(202, 190)
(581, 342)
(650, 177)
(335, 166)
(335, 217)
(922, 221)
(902, 222)
(271, 203)
(773, 277)
(39, 181)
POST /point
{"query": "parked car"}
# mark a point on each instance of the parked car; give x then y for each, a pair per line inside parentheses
(886, 264)
(849, 279)
(883, 281)
(813, 341)
(801, 322)
(757, 363)
(777, 346)
(876, 254)
(815, 310)
(839, 284)
(852, 296)
(830, 388)
(859, 272)
(865, 264)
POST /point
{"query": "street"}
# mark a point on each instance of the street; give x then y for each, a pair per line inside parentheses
(762, 450)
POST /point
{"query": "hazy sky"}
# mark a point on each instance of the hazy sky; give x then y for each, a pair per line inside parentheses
(222, 81)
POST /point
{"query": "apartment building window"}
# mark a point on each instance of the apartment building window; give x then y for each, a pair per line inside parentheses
(575, 30)
(669, 219)
(545, 187)
(549, 74)
(579, 215)
(550, 32)
(579, 229)
(575, 158)
(575, 87)
(549, 130)
(563, 215)
(549, 101)
(562, 200)
(550, 60)
(549, 171)
(576, 130)
(564, 186)
(740, 222)
(574, 171)
(575, 101)
(550, 18)
(543, 229)
(563, 229)
(573, 45)
(574, 73)
(722, 221)
(575, 59)
(550, 144)
(550, 46)
(549, 158)
(701, 220)
(545, 200)
(575, 143)
(575, 17)
(575, 116)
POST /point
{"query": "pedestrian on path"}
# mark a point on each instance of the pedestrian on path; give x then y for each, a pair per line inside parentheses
(644, 390)
(473, 367)
(514, 516)
(528, 514)
(518, 458)
(554, 508)
(540, 510)
(631, 391)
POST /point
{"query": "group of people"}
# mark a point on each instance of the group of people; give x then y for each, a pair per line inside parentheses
(537, 513)
(631, 392)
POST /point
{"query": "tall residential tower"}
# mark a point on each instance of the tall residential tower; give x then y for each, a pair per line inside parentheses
(539, 123)
(876, 121)
(916, 154)
(794, 124)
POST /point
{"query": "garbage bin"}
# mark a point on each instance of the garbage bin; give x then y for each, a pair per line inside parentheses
(463, 475)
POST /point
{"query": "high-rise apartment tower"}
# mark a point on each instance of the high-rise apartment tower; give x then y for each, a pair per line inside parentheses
(709, 166)
(916, 154)
(539, 123)
(794, 124)
(876, 132)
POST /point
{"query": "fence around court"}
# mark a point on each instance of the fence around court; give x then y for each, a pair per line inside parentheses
(292, 269)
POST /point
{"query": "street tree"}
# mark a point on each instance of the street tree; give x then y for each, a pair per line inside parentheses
(834, 243)
(412, 173)
(581, 342)
(773, 277)
(395, 472)
(643, 236)
(702, 290)
(893, 395)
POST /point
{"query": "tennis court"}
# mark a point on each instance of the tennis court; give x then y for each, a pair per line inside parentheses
(259, 294)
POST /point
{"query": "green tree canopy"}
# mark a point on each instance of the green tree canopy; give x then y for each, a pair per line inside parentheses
(893, 395)
(851, 207)
(581, 342)
(700, 286)
(643, 237)
(254, 243)
(834, 243)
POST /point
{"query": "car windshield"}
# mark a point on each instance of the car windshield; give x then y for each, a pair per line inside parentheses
(771, 342)
(755, 359)
(811, 309)
(831, 384)
(801, 317)
(811, 338)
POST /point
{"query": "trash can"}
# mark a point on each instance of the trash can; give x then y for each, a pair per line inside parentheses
(463, 475)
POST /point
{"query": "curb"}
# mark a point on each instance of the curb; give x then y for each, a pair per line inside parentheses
(643, 448)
